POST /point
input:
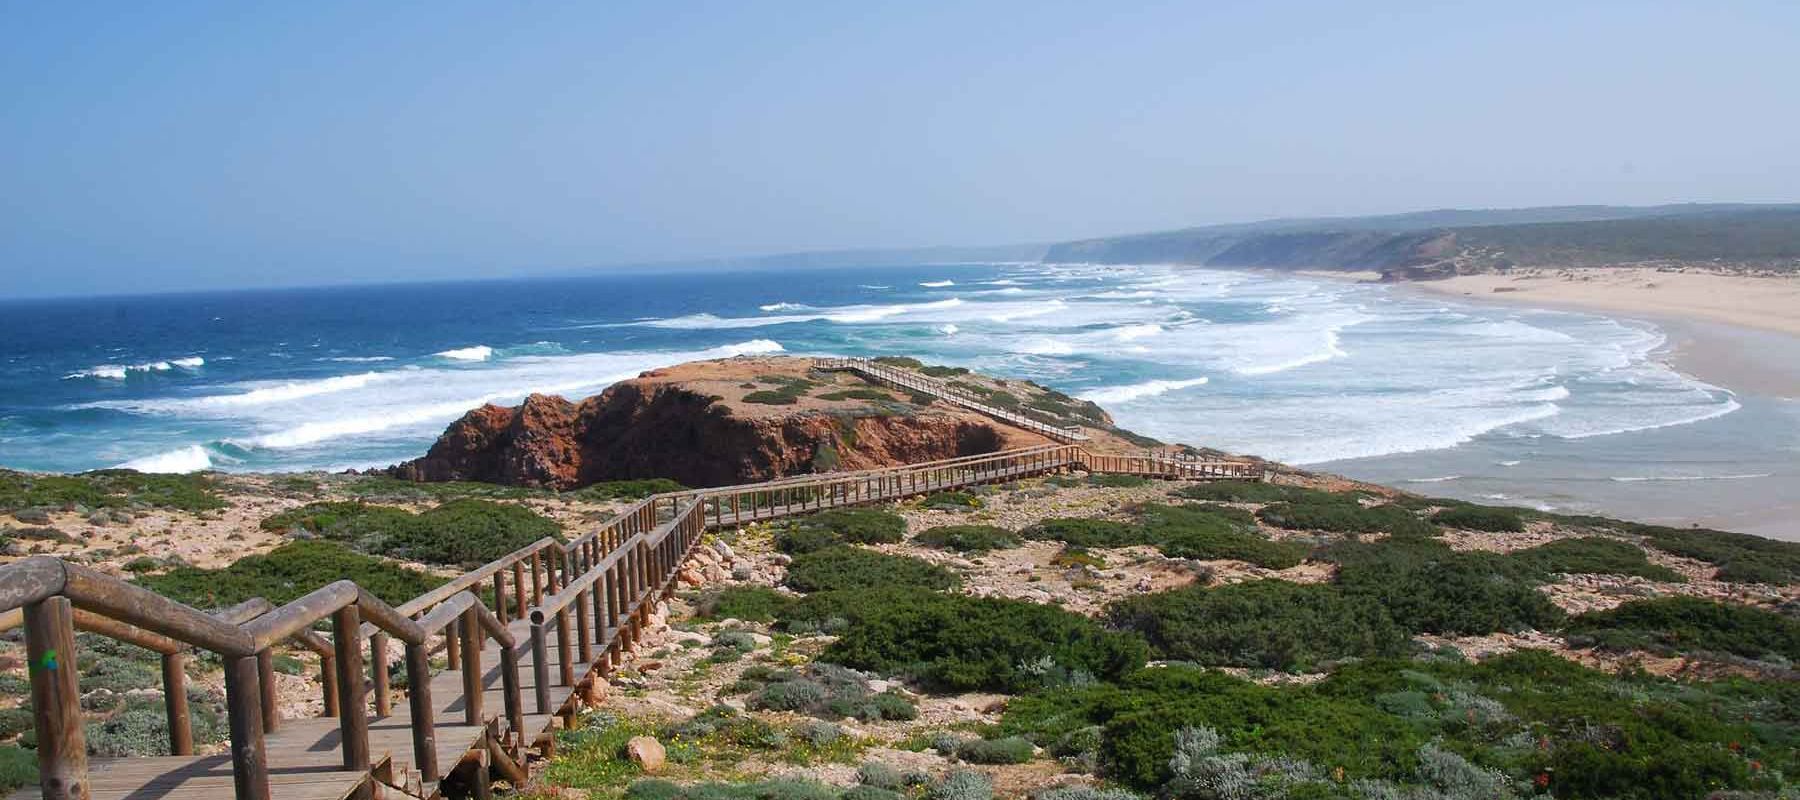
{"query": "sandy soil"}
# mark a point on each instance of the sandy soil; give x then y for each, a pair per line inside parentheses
(1761, 301)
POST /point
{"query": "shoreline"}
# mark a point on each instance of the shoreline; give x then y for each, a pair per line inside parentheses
(1741, 352)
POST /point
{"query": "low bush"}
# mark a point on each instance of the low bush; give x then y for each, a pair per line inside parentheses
(748, 603)
(395, 490)
(1480, 518)
(1196, 531)
(951, 501)
(1429, 588)
(288, 572)
(1268, 624)
(1593, 555)
(460, 532)
(847, 567)
(940, 371)
(828, 691)
(1118, 481)
(903, 362)
(108, 488)
(968, 538)
(1079, 532)
(788, 390)
(1339, 516)
(962, 643)
(1010, 750)
(850, 525)
(627, 490)
(961, 785)
(1740, 557)
(1403, 728)
(1261, 492)
(1690, 625)
(857, 394)
(18, 767)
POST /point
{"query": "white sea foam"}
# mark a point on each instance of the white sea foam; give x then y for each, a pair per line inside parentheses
(1044, 346)
(1438, 479)
(192, 458)
(948, 329)
(872, 286)
(480, 352)
(1131, 333)
(937, 284)
(118, 372)
(359, 359)
(1139, 391)
(783, 307)
(1652, 478)
(1511, 463)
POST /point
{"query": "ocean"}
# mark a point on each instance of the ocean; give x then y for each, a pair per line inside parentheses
(1545, 408)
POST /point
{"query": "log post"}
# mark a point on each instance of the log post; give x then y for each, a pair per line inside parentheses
(265, 682)
(584, 627)
(328, 680)
(537, 582)
(453, 648)
(243, 708)
(378, 671)
(509, 685)
(56, 699)
(540, 666)
(565, 654)
(500, 596)
(353, 714)
(418, 700)
(175, 702)
(518, 587)
(471, 668)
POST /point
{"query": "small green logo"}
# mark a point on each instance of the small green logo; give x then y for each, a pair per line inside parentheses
(48, 662)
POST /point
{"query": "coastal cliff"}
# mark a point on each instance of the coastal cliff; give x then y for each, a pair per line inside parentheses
(707, 424)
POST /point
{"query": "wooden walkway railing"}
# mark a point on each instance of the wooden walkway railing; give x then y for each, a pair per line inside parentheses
(912, 381)
(562, 614)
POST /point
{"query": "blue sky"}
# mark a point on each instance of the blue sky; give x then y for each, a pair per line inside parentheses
(191, 145)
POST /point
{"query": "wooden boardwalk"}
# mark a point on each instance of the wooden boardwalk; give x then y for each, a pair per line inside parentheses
(575, 609)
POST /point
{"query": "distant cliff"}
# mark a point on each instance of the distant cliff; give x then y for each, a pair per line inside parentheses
(1435, 243)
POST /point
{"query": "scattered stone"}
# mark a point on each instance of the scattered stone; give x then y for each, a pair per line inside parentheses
(647, 753)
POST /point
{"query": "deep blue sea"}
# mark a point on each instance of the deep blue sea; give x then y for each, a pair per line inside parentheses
(1545, 408)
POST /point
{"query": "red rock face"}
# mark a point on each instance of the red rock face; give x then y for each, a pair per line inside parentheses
(660, 430)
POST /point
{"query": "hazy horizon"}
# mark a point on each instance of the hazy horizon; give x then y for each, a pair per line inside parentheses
(213, 147)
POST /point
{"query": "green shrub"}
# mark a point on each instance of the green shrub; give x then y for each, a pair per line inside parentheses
(18, 767)
(627, 490)
(1741, 557)
(1480, 518)
(108, 488)
(390, 489)
(968, 538)
(466, 531)
(287, 572)
(828, 691)
(1593, 555)
(954, 501)
(1079, 532)
(961, 785)
(846, 567)
(1691, 624)
(1268, 623)
(1010, 750)
(963, 643)
(748, 603)
(1196, 531)
(788, 390)
(855, 525)
(795, 540)
(1261, 492)
(857, 394)
(1118, 481)
(14, 721)
(903, 362)
(1346, 517)
(936, 371)
(1429, 588)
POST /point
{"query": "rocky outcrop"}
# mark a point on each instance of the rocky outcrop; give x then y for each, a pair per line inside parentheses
(651, 428)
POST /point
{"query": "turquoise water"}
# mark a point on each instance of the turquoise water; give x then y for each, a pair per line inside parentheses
(1358, 378)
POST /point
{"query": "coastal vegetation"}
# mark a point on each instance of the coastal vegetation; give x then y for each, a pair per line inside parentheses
(107, 488)
(967, 538)
(462, 532)
(288, 572)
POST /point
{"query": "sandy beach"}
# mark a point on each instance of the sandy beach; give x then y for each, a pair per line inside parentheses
(1735, 330)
